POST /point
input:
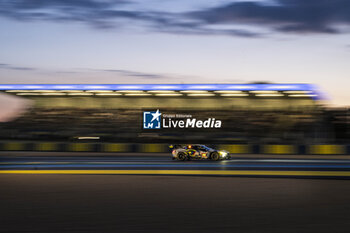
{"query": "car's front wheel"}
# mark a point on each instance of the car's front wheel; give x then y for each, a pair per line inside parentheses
(215, 156)
(181, 156)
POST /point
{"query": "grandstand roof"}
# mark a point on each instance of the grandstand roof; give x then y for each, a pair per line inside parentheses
(145, 87)
(225, 90)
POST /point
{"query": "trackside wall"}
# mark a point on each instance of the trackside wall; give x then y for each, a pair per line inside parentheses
(312, 149)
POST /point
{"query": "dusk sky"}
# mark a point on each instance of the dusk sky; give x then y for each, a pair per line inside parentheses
(163, 41)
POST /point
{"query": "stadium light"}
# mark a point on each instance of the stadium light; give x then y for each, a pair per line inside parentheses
(297, 92)
(201, 94)
(169, 94)
(137, 94)
(99, 91)
(194, 91)
(80, 94)
(228, 92)
(302, 95)
(108, 94)
(131, 91)
(53, 93)
(76, 91)
(237, 94)
(42, 91)
(269, 95)
(264, 92)
(160, 91)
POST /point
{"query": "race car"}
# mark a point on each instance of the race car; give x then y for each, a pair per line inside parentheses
(197, 152)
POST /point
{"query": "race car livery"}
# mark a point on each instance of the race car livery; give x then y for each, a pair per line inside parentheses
(197, 152)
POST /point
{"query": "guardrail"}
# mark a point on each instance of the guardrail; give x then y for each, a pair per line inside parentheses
(314, 149)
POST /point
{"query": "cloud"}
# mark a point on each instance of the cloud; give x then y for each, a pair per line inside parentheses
(199, 28)
(93, 12)
(108, 14)
(283, 16)
(297, 16)
(19, 68)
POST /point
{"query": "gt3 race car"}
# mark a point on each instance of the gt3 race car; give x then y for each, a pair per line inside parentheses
(198, 152)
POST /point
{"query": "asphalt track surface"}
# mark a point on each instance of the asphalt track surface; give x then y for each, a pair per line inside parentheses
(56, 202)
(163, 165)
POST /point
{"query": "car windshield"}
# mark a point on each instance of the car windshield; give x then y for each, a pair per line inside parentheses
(205, 147)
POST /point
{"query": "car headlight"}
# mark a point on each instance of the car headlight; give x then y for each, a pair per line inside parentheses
(223, 153)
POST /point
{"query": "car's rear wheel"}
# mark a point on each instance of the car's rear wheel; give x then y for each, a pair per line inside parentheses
(215, 156)
(181, 156)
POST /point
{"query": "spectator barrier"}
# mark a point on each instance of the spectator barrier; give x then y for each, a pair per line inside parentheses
(315, 149)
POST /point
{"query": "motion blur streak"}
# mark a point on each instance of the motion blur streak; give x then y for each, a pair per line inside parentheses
(184, 172)
(158, 204)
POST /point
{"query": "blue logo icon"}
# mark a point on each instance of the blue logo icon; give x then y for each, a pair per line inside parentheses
(151, 120)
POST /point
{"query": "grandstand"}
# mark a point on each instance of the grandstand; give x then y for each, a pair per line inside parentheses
(182, 96)
(250, 112)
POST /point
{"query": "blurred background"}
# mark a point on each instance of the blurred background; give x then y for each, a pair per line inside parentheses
(155, 42)
(281, 116)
